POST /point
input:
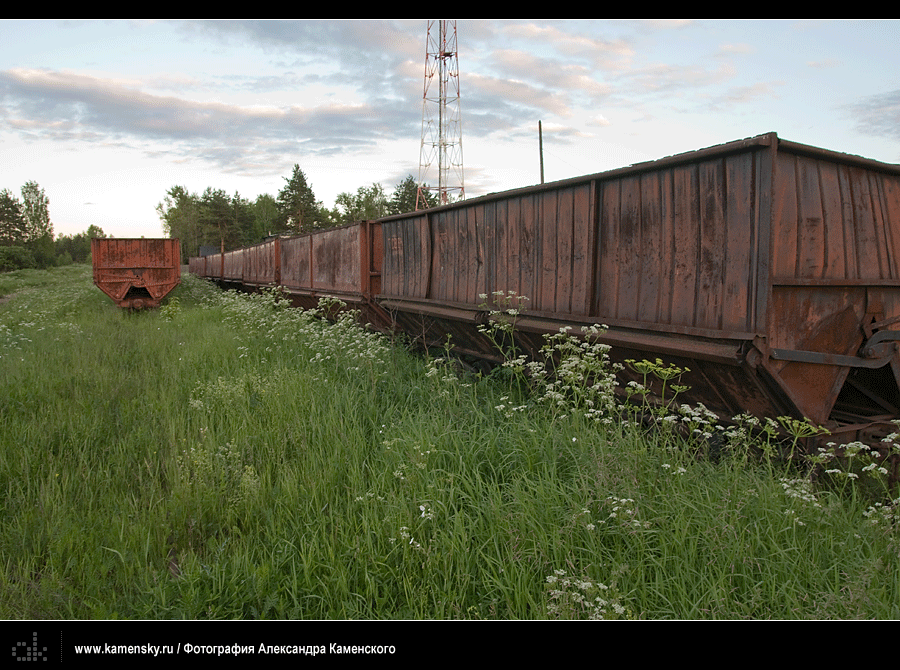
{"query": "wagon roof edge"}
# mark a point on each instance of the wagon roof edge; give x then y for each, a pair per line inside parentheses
(764, 140)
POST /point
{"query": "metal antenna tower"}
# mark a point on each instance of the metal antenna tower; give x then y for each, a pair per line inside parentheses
(441, 127)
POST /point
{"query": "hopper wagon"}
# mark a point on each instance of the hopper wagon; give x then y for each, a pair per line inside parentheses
(341, 263)
(769, 269)
(136, 273)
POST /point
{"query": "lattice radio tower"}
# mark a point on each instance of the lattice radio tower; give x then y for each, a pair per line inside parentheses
(441, 127)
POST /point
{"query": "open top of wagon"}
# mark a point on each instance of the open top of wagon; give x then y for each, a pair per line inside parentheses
(769, 268)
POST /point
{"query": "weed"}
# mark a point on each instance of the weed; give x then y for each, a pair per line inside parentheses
(233, 458)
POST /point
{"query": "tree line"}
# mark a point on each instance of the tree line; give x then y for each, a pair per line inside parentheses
(213, 218)
(26, 233)
(222, 221)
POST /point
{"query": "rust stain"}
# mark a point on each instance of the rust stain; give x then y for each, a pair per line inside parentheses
(764, 265)
(136, 273)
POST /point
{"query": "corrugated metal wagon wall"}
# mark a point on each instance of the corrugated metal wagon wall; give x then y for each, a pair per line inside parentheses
(261, 264)
(679, 246)
(342, 263)
(767, 267)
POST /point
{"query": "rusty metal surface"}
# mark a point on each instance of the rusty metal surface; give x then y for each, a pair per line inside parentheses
(136, 273)
(197, 265)
(261, 264)
(324, 261)
(767, 267)
(233, 266)
(760, 264)
(342, 263)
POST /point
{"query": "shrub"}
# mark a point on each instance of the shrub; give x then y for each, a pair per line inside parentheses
(16, 258)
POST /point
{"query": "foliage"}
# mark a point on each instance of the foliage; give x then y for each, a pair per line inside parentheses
(212, 218)
(76, 248)
(218, 220)
(12, 219)
(26, 224)
(36, 211)
(405, 196)
(43, 250)
(231, 458)
(265, 217)
(16, 258)
(367, 203)
(224, 219)
(180, 215)
(371, 202)
(297, 206)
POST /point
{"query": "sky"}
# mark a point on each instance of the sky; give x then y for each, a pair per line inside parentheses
(108, 115)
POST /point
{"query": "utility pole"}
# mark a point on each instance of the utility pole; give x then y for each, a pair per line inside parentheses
(441, 126)
(541, 149)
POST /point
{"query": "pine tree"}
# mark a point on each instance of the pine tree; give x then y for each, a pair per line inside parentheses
(297, 207)
(404, 198)
(12, 220)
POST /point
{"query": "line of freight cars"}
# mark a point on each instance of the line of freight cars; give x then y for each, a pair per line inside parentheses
(769, 268)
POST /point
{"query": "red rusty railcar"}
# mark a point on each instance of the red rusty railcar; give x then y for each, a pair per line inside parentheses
(197, 265)
(342, 263)
(261, 264)
(769, 268)
(136, 273)
(234, 266)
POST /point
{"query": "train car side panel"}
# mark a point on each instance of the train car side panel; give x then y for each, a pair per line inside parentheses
(336, 258)
(263, 264)
(678, 246)
(768, 268)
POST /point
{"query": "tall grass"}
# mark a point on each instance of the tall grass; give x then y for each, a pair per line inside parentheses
(228, 457)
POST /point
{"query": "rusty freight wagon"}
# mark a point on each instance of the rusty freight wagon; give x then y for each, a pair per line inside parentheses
(136, 273)
(343, 263)
(769, 268)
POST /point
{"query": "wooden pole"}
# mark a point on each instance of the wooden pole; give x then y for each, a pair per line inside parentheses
(541, 147)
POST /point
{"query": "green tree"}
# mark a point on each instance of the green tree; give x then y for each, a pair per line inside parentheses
(95, 231)
(298, 210)
(12, 219)
(43, 250)
(36, 210)
(217, 220)
(367, 203)
(405, 194)
(242, 220)
(77, 247)
(15, 258)
(180, 215)
(330, 217)
(265, 217)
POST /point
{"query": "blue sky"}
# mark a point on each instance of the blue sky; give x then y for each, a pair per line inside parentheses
(108, 115)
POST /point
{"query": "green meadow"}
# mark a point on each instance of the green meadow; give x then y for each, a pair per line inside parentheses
(227, 457)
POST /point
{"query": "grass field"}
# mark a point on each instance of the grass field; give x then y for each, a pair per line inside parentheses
(227, 457)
